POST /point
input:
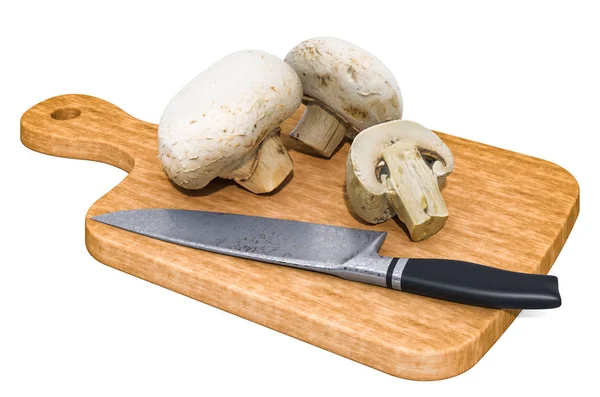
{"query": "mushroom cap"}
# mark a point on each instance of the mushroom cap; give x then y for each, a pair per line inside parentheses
(366, 154)
(348, 80)
(218, 120)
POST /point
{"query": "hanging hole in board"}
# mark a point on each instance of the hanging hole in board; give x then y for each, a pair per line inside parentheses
(65, 113)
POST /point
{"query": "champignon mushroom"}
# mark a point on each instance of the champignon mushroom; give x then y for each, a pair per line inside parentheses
(225, 123)
(396, 168)
(346, 89)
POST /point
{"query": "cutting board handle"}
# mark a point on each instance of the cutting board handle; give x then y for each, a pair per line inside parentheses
(85, 127)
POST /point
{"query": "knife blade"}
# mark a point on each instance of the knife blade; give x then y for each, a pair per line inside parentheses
(351, 254)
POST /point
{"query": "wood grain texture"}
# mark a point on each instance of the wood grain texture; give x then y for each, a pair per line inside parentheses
(507, 210)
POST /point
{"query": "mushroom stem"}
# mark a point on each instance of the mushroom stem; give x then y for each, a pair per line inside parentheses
(272, 165)
(413, 190)
(319, 130)
(245, 169)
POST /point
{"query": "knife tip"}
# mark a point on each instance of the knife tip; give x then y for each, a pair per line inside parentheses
(107, 218)
(98, 218)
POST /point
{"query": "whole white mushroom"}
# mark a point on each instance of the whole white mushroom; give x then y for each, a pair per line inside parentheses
(346, 89)
(225, 123)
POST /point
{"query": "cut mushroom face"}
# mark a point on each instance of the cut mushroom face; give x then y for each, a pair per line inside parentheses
(395, 168)
(346, 89)
(225, 123)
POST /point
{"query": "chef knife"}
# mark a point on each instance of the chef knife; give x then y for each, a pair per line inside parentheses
(339, 251)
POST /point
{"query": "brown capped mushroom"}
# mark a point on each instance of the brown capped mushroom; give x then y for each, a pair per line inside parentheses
(395, 168)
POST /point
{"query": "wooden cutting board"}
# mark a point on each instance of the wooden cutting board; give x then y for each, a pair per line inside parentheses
(506, 209)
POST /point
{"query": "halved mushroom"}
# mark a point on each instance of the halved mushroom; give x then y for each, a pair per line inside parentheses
(225, 123)
(346, 89)
(396, 168)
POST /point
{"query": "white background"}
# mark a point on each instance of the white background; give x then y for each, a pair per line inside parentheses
(522, 76)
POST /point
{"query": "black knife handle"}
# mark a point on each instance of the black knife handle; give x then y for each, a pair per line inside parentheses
(478, 285)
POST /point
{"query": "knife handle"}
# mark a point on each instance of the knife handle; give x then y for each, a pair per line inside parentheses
(474, 284)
